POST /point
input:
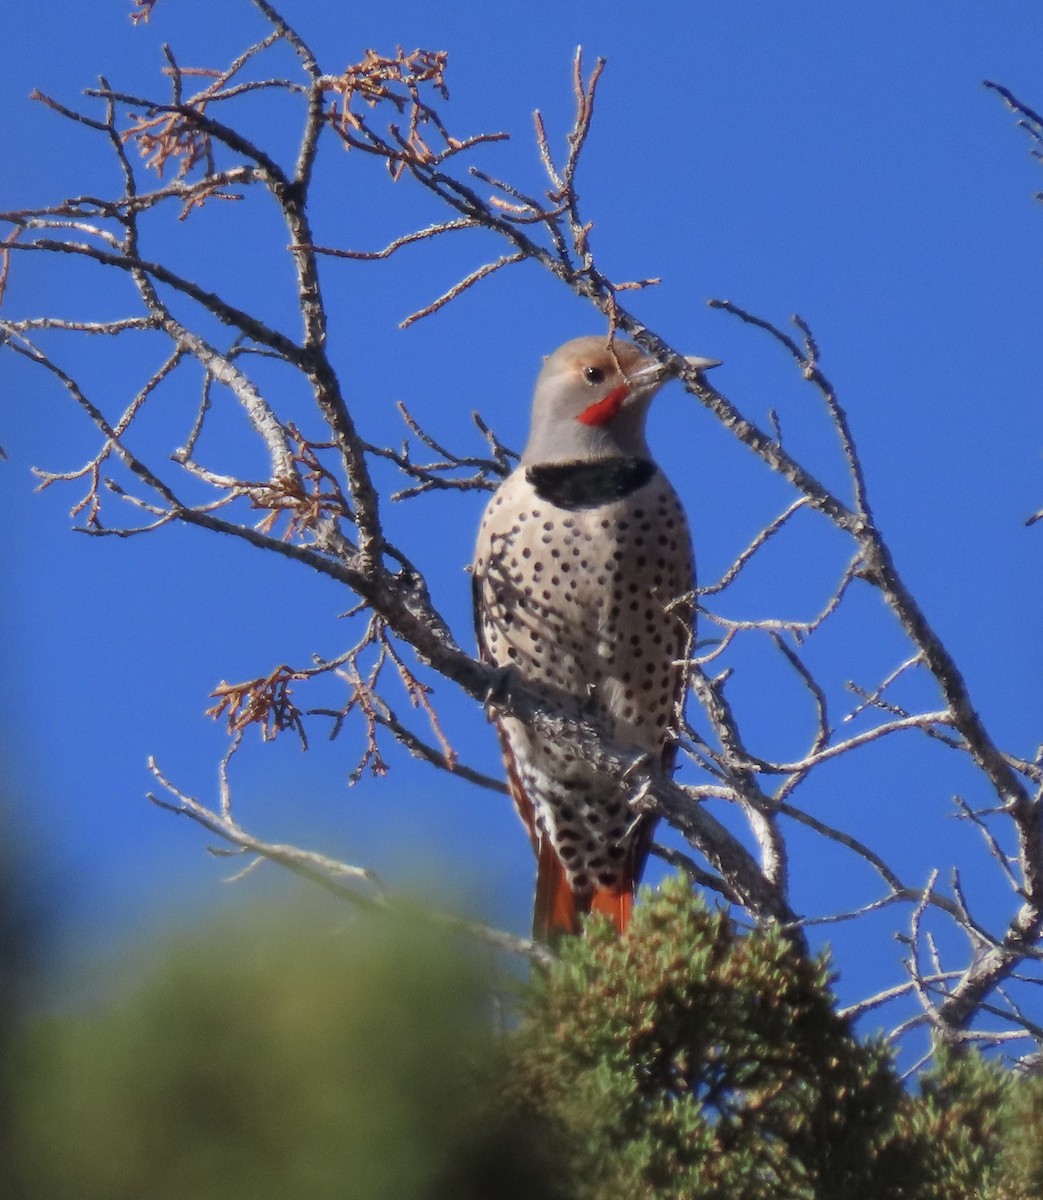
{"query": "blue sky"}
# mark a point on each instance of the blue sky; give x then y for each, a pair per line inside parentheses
(840, 161)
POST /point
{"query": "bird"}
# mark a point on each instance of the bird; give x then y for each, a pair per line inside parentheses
(583, 585)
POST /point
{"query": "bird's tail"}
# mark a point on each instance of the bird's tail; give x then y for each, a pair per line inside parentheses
(558, 909)
(615, 903)
(555, 912)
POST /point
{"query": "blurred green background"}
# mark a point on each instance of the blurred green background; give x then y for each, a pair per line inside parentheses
(297, 1051)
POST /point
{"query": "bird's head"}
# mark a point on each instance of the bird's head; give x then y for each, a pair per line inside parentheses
(591, 401)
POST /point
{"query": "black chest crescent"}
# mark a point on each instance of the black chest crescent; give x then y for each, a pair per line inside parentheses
(578, 485)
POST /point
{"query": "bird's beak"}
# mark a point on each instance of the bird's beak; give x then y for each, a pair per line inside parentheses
(653, 373)
(702, 364)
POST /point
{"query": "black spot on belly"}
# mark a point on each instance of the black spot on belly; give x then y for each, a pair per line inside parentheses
(578, 485)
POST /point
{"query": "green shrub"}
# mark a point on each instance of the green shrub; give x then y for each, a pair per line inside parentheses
(688, 1059)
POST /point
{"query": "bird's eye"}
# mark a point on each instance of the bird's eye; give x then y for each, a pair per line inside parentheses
(593, 375)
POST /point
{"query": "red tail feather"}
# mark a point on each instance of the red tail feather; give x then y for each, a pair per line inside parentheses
(555, 912)
(615, 904)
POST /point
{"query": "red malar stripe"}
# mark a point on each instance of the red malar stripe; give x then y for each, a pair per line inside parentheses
(607, 409)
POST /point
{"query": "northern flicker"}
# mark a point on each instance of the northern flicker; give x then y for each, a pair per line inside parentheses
(583, 575)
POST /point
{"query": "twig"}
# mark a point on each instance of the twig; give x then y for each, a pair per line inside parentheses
(468, 281)
(758, 542)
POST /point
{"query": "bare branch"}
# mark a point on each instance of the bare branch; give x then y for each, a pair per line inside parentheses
(407, 239)
(468, 281)
(758, 542)
(330, 874)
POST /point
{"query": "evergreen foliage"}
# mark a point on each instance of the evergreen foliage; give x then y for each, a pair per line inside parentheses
(689, 1059)
(692, 1060)
(978, 1127)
